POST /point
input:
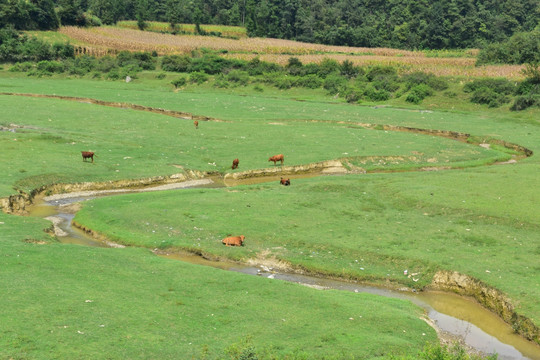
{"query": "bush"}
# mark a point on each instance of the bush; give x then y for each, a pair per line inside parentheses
(294, 66)
(431, 80)
(221, 82)
(327, 67)
(198, 77)
(376, 95)
(353, 95)
(211, 64)
(257, 67)
(180, 81)
(106, 64)
(500, 85)
(176, 63)
(22, 67)
(238, 76)
(161, 76)
(81, 65)
(92, 20)
(525, 101)
(50, 67)
(141, 60)
(63, 51)
(419, 93)
(488, 96)
(388, 83)
(334, 83)
(309, 81)
(348, 69)
(283, 82)
(379, 71)
(521, 48)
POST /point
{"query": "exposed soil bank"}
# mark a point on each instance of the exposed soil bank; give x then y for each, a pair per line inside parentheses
(17, 204)
(489, 297)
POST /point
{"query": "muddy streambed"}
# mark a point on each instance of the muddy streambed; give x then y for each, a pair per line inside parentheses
(454, 316)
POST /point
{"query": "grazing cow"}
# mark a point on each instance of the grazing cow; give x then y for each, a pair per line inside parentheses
(234, 240)
(285, 182)
(276, 158)
(235, 163)
(88, 155)
(196, 123)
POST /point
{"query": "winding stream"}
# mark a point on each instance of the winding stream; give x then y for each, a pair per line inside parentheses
(452, 314)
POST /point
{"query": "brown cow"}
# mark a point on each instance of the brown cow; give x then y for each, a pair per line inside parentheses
(285, 182)
(234, 240)
(235, 163)
(88, 155)
(196, 123)
(276, 158)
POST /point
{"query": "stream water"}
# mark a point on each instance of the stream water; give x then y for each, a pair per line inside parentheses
(453, 314)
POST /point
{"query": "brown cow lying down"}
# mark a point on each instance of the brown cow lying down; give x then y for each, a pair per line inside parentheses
(276, 158)
(285, 182)
(234, 240)
(235, 163)
(88, 155)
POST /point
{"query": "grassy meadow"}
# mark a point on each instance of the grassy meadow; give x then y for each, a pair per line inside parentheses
(479, 219)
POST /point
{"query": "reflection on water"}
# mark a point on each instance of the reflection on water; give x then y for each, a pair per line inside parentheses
(459, 316)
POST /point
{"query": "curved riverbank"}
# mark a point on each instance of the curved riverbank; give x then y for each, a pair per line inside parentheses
(489, 297)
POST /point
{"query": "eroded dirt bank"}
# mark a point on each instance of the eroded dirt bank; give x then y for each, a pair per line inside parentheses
(18, 203)
(489, 297)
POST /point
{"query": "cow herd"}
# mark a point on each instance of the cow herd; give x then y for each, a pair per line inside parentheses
(231, 240)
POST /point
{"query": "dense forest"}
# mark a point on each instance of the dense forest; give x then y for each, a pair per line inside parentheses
(409, 24)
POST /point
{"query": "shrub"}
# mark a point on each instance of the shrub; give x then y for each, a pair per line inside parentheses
(22, 67)
(238, 76)
(376, 95)
(294, 66)
(81, 65)
(63, 51)
(161, 76)
(283, 82)
(327, 67)
(114, 74)
(379, 71)
(258, 88)
(176, 63)
(142, 60)
(106, 64)
(387, 83)
(221, 82)
(488, 96)
(353, 95)
(50, 67)
(257, 67)
(211, 64)
(431, 80)
(419, 93)
(521, 48)
(525, 101)
(334, 83)
(309, 81)
(500, 85)
(198, 77)
(180, 81)
(348, 69)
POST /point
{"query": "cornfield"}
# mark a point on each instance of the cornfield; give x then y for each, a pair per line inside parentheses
(226, 31)
(100, 40)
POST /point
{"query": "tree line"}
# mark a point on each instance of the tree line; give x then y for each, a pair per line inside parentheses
(406, 24)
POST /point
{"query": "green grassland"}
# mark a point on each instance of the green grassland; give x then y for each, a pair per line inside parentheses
(365, 226)
(64, 301)
(132, 144)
